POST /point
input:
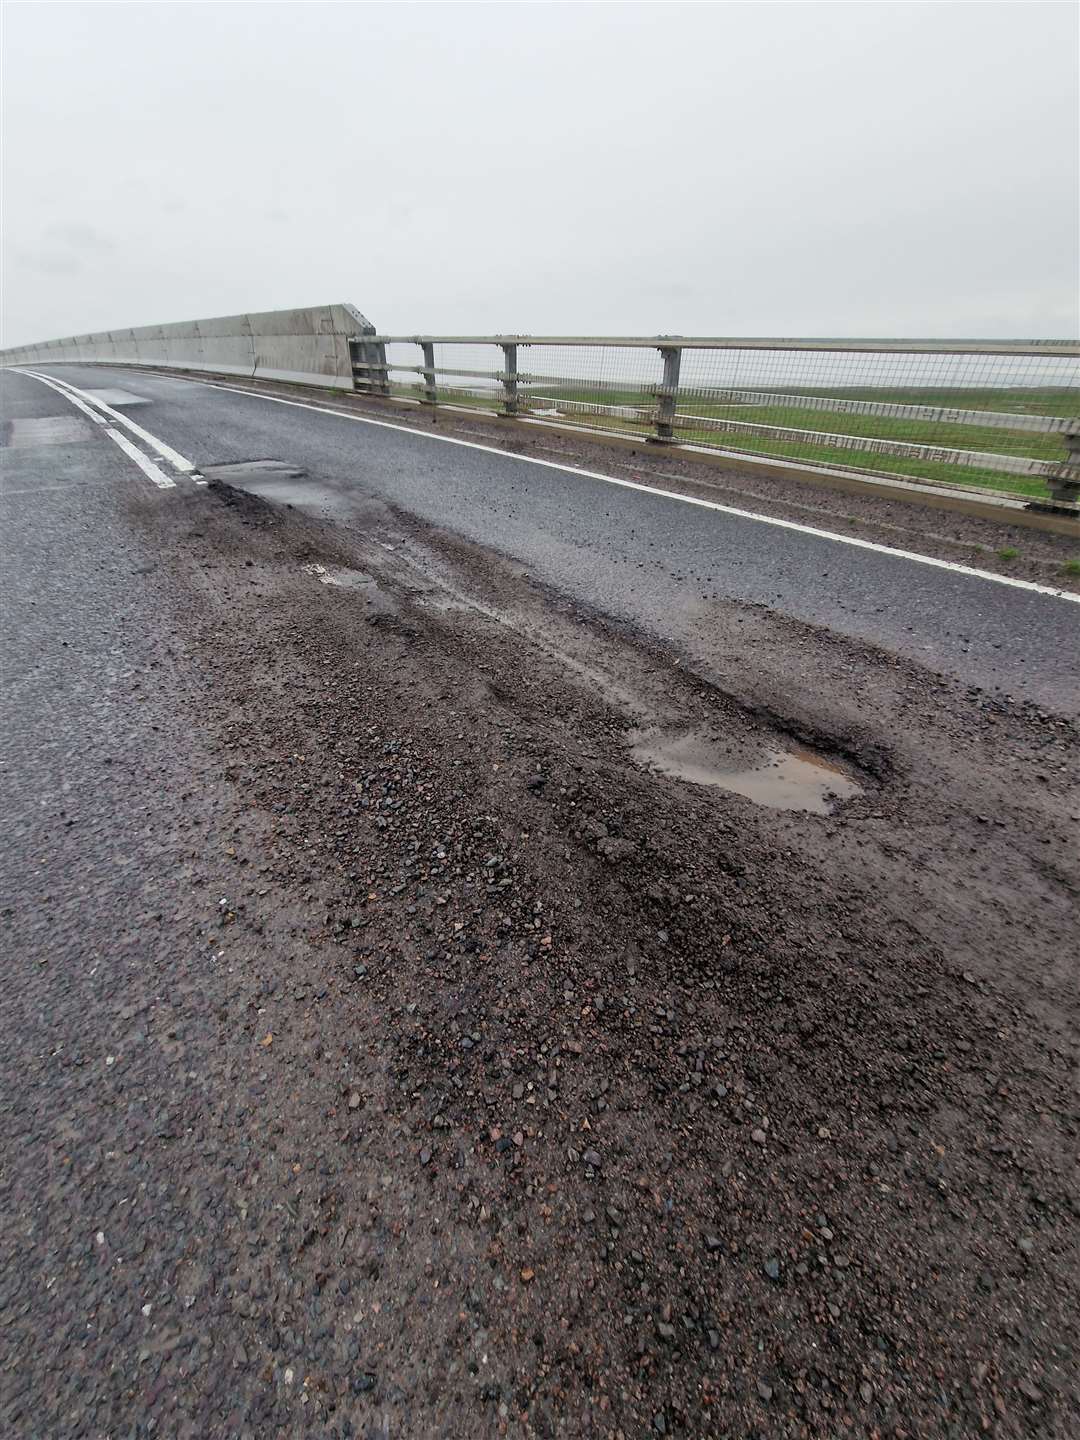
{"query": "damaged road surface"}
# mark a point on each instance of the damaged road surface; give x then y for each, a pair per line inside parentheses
(438, 1005)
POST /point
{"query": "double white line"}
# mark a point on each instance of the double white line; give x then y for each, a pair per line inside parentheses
(97, 410)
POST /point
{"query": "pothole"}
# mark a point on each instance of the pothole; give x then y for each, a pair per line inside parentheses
(725, 755)
(279, 483)
(339, 575)
(235, 472)
(794, 778)
(346, 579)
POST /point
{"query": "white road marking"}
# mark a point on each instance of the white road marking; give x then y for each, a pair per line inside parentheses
(145, 464)
(86, 409)
(740, 514)
(175, 459)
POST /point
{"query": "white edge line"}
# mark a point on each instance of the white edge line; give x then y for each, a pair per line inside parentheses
(880, 478)
(175, 459)
(93, 414)
(146, 465)
(852, 540)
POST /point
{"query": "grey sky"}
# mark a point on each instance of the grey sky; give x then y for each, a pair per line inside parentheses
(730, 169)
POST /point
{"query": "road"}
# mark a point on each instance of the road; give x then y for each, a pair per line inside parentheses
(388, 1053)
(627, 552)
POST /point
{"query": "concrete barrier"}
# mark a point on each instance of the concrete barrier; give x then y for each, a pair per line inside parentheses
(310, 346)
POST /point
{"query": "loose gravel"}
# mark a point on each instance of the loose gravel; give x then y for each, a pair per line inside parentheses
(418, 1064)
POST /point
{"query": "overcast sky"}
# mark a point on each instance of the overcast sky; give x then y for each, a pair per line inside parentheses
(761, 169)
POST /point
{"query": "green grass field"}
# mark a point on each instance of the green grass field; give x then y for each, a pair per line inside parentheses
(999, 440)
(1027, 400)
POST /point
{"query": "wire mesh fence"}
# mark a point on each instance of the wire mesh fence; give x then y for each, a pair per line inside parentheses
(1000, 415)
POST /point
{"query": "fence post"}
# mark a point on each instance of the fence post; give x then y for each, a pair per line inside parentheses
(668, 394)
(383, 373)
(510, 384)
(370, 360)
(431, 394)
(361, 378)
(1065, 485)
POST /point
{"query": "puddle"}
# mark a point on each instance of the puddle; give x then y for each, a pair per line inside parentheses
(794, 779)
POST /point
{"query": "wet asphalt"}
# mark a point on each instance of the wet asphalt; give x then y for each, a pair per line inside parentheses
(147, 1220)
(137, 1143)
(88, 873)
(653, 561)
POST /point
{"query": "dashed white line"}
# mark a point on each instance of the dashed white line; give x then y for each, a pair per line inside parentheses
(740, 514)
(175, 459)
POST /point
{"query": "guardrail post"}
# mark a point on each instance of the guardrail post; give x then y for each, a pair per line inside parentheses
(431, 393)
(1065, 485)
(356, 359)
(383, 381)
(370, 360)
(510, 380)
(667, 393)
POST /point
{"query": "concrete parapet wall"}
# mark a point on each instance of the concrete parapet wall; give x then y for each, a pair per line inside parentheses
(308, 345)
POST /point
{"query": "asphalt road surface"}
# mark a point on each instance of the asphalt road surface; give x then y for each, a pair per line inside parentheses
(628, 553)
(387, 1052)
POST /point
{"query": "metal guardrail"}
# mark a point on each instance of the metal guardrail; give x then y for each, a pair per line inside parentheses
(971, 412)
(684, 342)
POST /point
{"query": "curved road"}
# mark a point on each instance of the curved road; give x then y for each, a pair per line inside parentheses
(627, 551)
(383, 1056)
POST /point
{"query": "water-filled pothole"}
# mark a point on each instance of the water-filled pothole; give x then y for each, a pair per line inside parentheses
(790, 779)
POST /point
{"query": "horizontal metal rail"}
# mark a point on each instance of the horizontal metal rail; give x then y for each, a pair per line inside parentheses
(991, 419)
(868, 444)
(687, 342)
(392, 365)
(878, 401)
(523, 377)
